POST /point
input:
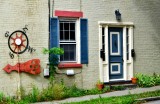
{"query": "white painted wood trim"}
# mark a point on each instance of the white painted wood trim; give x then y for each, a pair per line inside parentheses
(131, 47)
(124, 54)
(117, 33)
(110, 23)
(100, 60)
(115, 72)
(106, 55)
(78, 47)
(116, 79)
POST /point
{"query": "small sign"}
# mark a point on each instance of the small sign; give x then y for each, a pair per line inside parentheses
(46, 72)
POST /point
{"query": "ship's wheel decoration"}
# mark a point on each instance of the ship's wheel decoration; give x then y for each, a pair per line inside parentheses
(18, 42)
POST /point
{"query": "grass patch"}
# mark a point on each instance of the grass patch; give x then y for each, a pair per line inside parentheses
(127, 99)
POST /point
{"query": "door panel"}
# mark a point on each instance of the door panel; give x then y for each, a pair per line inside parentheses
(115, 53)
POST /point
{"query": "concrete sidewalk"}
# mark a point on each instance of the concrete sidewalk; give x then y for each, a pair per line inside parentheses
(109, 94)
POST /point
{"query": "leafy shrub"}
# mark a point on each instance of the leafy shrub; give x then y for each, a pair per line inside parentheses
(148, 81)
(58, 91)
(156, 79)
(35, 94)
(47, 94)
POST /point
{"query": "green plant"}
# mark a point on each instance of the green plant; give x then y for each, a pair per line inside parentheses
(99, 82)
(115, 88)
(156, 79)
(145, 80)
(1, 97)
(58, 91)
(73, 91)
(53, 59)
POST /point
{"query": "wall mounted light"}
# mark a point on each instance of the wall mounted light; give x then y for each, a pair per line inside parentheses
(118, 15)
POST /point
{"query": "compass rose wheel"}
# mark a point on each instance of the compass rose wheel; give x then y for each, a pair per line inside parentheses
(18, 42)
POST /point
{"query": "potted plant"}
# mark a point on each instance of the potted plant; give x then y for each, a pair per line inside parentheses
(134, 80)
(100, 85)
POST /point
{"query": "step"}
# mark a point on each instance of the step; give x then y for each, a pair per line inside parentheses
(121, 85)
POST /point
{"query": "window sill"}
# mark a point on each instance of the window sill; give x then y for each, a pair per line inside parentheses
(69, 65)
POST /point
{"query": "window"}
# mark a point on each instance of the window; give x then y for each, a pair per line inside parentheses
(72, 36)
(67, 32)
(127, 43)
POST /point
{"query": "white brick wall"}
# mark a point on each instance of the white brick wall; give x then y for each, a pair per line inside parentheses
(34, 13)
(145, 16)
(14, 16)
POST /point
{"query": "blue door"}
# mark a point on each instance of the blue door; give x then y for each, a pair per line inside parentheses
(115, 51)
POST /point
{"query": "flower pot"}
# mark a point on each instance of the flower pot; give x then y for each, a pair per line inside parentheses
(100, 86)
(134, 80)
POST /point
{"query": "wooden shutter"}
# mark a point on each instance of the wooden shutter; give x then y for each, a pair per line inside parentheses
(54, 39)
(84, 40)
(54, 27)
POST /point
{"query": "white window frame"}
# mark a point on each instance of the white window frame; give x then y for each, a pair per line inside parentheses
(77, 38)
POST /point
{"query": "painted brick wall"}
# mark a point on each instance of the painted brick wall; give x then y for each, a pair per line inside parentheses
(145, 16)
(14, 16)
(34, 13)
(146, 36)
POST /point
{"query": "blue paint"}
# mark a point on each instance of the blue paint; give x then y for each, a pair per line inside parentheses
(114, 43)
(84, 40)
(54, 38)
(54, 35)
(118, 58)
(115, 68)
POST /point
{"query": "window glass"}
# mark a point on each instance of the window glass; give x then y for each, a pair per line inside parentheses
(127, 43)
(72, 26)
(69, 52)
(72, 35)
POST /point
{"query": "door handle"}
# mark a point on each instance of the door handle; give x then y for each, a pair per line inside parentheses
(122, 60)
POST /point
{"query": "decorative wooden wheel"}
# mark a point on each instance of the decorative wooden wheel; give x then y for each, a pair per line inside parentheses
(18, 42)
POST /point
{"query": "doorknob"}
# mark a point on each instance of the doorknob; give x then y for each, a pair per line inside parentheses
(122, 60)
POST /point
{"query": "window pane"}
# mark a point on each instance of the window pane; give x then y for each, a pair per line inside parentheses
(69, 52)
(61, 26)
(72, 26)
(66, 26)
(72, 53)
(61, 35)
(127, 43)
(66, 35)
(72, 35)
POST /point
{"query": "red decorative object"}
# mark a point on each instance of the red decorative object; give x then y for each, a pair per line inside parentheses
(69, 65)
(31, 66)
(68, 13)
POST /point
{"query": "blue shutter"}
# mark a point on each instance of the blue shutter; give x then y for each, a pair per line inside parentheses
(54, 39)
(84, 40)
(54, 27)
